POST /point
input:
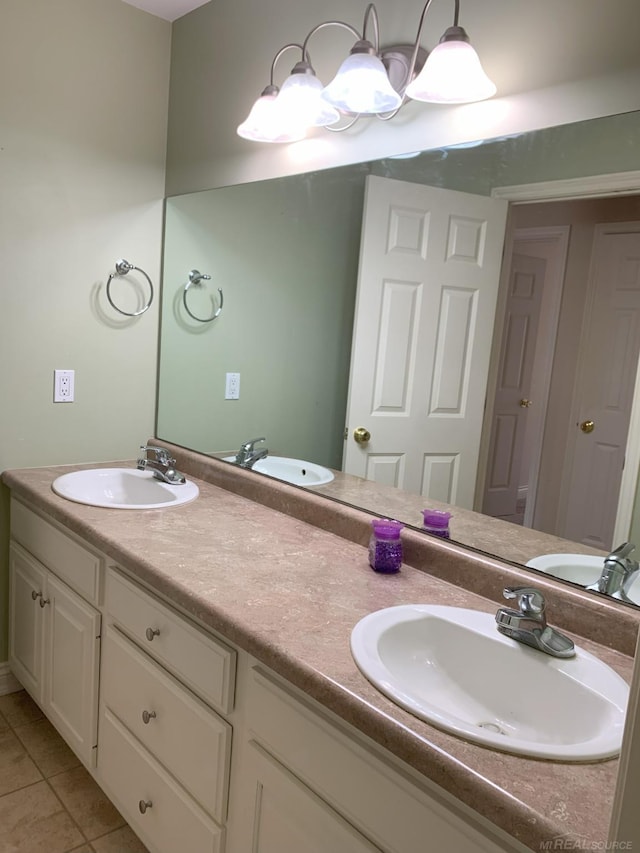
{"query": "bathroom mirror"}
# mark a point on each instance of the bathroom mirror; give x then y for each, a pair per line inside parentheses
(284, 256)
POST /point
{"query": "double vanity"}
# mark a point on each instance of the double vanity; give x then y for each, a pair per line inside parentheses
(201, 660)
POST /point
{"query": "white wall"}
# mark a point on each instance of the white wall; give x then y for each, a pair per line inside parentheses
(552, 62)
(83, 114)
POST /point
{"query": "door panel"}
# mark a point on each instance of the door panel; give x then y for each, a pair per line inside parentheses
(26, 580)
(71, 680)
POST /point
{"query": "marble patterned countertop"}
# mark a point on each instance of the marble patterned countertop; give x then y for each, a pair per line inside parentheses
(245, 560)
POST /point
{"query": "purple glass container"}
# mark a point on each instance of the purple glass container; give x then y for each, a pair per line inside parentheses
(437, 522)
(385, 547)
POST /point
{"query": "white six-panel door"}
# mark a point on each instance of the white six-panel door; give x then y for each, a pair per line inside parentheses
(428, 281)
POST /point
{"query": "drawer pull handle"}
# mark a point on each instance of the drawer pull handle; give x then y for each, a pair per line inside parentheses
(147, 716)
(35, 595)
(143, 805)
(150, 633)
(44, 601)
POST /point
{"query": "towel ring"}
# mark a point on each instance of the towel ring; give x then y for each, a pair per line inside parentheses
(123, 268)
(196, 278)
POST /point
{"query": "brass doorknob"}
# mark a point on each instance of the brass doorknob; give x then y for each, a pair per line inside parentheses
(524, 404)
(587, 426)
(361, 435)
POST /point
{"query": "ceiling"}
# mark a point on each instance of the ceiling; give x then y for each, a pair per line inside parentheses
(167, 9)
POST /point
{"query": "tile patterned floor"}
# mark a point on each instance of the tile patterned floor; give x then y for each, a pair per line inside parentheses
(48, 801)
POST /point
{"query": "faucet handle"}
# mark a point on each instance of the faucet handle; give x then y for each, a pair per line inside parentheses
(530, 601)
(622, 551)
(161, 455)
(248, 445)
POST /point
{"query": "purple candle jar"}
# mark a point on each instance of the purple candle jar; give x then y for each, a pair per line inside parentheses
(385, 547)
(437, 522)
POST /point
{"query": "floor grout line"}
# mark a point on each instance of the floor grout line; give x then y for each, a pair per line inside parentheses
(86, 844)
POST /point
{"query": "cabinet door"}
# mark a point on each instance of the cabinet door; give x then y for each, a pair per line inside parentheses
(71, 660)
(27, 586)
(288, 816)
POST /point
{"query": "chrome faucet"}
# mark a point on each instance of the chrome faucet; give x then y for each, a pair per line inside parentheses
(162, 465)
(618, 573)
(528, 624)
(247, 456)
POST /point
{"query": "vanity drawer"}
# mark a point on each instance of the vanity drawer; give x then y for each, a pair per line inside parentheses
(73, 563)
(186, 736)
(171, 820)
(205, 665)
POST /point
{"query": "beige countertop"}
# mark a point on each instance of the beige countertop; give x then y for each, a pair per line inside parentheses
(289, 593)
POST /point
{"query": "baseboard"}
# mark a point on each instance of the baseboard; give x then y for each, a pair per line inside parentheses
(8, 682)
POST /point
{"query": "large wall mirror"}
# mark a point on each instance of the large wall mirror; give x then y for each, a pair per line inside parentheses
(284, 259)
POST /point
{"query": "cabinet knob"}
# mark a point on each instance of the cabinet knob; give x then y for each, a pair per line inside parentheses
(147, 716)
(143, 805)
(43, 601)
(35, 595)
(150, 633)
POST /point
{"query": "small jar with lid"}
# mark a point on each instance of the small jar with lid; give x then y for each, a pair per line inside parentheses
(436, 522)
(385, 547)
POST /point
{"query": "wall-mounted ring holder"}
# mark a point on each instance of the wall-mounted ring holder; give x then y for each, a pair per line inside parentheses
(124, 268)
(195, 280)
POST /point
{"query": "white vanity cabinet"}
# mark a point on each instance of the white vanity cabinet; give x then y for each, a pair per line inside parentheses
(173, 696)
(311, 783)
(54, 633)
(164, 746)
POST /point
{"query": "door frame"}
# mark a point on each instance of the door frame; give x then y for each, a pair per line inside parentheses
(595, 186)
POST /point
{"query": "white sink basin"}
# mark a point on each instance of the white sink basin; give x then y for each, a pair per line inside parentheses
(578, 568)
(298, 472)
(122, 488)
(452, 668)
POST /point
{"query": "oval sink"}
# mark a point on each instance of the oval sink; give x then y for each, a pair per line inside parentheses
(122, 488)
(582, 569)
(451, 667)
(298, 472)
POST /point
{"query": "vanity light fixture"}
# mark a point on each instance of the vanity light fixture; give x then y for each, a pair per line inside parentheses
(370, 82)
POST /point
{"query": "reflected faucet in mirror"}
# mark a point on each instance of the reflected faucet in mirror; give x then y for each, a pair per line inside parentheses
(247, 456)
(618, 574)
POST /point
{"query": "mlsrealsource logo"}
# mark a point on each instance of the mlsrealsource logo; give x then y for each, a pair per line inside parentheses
(565, 842)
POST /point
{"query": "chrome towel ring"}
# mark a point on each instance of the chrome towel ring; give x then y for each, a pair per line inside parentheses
(124, 268)
(195, 279)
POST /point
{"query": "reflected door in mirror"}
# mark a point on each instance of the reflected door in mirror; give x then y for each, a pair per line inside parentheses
(427, 289)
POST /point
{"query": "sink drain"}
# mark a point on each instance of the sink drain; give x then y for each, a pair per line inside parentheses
(492, 727)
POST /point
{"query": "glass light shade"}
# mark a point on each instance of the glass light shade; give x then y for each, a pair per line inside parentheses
(300, 98)
(266, 122)
(452, 74)
(362, 86)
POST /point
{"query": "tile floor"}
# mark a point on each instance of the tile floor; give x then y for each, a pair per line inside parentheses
(48, 801)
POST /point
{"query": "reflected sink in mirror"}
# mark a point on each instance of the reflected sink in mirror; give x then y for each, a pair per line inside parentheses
(577, 568)
(298, 472)
(451, 667)
(122, 488)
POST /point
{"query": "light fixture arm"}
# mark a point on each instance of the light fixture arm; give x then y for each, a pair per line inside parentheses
(414, 56)
(371, 14)
(318, 27)
(277, 57)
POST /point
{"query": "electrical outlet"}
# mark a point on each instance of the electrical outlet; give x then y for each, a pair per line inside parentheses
(63, 386)
(232, 387)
